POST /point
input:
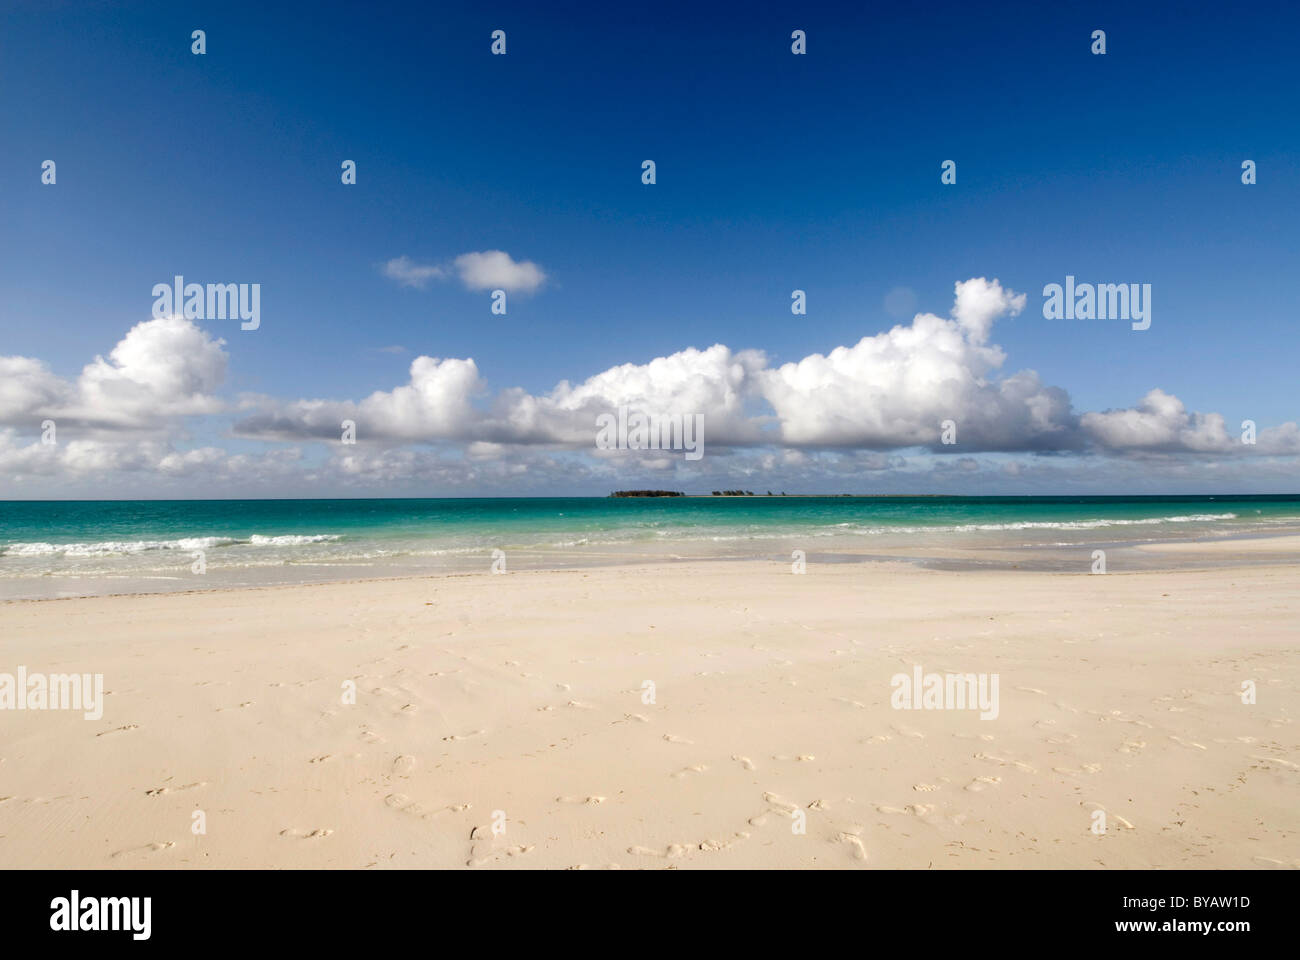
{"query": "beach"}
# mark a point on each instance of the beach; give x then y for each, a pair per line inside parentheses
(673, 714)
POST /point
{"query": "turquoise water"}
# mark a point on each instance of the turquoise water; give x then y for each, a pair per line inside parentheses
(69, 545)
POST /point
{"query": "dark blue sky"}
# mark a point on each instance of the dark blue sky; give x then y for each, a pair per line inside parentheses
(775, 172)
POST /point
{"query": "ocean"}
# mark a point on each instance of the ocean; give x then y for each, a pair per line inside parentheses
(71, 548)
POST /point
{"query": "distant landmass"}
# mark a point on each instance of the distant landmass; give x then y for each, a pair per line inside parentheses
(647, 493)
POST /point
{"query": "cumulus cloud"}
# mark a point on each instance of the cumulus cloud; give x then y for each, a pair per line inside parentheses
(437, 404)
(434, 405)
(27, 387)
(896, 388)
(1161, 423)
(166, 366)
(162, 369)
(482, 270)
(845, 414)
(889, 391)
(493, 269)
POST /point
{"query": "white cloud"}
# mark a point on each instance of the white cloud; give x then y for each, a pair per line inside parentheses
(166, 366)
(161, 369)
(889, 391)
(493, 269)
(27, 389)
(434, 405)
(896, 388)
(410, 274)
(827, 421)
(1161, 423)
(482, 270)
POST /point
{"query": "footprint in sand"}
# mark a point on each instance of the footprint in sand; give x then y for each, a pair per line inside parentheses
(485, 847)
(745, 762)
(1067, 771)
(785, 806)
(856, 850)
(592, 800)
(159, 791)
(1110, 816)
(1278, 760)
(1187, 743)
(801, 758)
(915, 809)
(1018, 764)
(322, 758)
(709, 846)
(403, 765)
(121, 729)
(465, 736)
(685, 771)
(924, 787)
(674, 739)
(294, 833)
(369, 736)
(155, 847)
(1271, 862)
(671, 851)
(980, 783)
(421, 811)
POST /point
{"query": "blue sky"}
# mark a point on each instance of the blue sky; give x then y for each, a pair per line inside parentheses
(774, 172)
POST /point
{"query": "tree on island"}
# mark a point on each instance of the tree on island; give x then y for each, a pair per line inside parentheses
(647, 493)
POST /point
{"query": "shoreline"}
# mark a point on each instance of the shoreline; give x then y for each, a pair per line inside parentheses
(1254, 548)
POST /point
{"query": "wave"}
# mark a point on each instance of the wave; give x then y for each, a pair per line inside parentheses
(1049, 524)
(1093, 524)
(128, 547)
(619, 534)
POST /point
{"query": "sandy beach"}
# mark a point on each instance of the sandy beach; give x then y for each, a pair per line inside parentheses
(686, 715)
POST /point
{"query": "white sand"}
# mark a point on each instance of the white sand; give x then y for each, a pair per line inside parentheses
(1289, 546)
(522, 694)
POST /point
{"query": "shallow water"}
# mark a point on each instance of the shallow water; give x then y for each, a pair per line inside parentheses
(70, 548)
